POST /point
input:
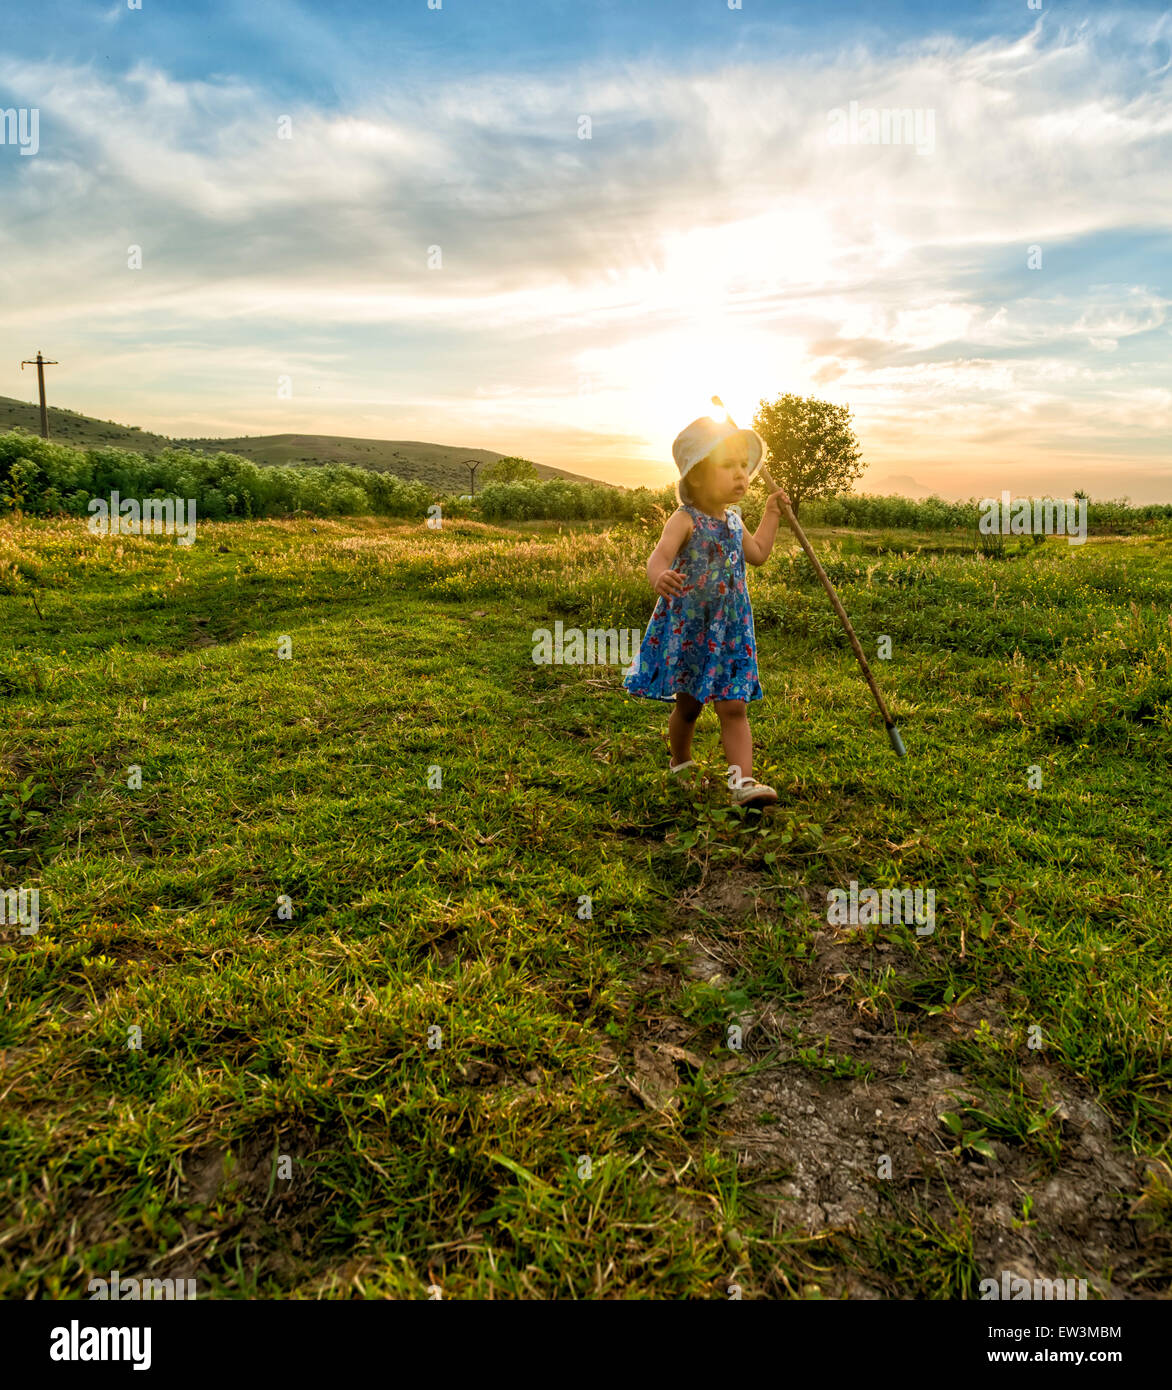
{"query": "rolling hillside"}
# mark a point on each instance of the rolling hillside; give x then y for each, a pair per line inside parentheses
(438, 464)
(68, 427)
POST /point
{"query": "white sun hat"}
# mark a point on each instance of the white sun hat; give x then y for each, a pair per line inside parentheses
(695, 442)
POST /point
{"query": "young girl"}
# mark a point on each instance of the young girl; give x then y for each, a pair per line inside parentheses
(699, 645)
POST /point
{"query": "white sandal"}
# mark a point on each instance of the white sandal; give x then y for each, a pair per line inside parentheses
(750, 792)
(689, 774)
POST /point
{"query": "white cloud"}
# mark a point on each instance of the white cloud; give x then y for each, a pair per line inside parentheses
(708, 209)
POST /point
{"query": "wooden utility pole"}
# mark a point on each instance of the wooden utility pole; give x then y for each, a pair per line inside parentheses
(42, 363)
(472, 465)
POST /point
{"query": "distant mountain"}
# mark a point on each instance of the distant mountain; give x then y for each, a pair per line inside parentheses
(439, 465)
(901, 484)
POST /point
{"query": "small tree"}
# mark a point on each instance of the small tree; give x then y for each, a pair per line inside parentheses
(814, 449)
(511, 470)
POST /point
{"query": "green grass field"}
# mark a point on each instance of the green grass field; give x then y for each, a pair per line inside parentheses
(383, 1050)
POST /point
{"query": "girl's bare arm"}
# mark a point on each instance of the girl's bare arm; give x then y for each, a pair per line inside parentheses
(759, 545)
(660, 575)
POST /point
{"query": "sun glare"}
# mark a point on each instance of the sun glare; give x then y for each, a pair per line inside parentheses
(680, 377)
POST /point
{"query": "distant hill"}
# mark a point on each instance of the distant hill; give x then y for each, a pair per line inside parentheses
(439, 465)
(902, 484)
(68, 427)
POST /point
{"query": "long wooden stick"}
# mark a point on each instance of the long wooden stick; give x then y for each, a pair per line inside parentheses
(893, 733)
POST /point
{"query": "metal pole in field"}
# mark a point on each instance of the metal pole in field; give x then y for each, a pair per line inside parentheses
(41, 364)
(472, 465)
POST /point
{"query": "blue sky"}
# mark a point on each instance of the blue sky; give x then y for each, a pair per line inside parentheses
(991, 300)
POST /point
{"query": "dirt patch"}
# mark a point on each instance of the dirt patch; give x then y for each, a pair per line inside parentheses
(730, 896)
(270, 1170)
(272, 1177)
(842, 1130)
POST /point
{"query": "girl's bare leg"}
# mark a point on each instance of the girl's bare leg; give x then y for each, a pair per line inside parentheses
(680, 728)
(735, 734)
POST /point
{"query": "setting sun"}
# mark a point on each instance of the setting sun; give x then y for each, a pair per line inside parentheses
(669, 380)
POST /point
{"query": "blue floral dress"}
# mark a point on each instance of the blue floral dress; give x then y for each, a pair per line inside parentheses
(701, 643)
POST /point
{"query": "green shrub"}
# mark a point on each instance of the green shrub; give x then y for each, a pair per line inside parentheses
(40, 477)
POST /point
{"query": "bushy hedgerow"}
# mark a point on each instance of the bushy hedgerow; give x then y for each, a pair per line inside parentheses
(557, 500)
(41, 477)
(871, 512)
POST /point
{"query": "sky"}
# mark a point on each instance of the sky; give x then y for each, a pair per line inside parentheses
(556, 229)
